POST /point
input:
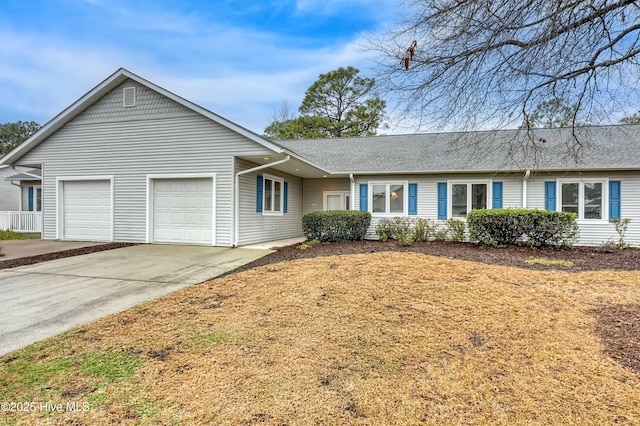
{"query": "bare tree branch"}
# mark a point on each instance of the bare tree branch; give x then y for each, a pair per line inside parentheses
(489, 63)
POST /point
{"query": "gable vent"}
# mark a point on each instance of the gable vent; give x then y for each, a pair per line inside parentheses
(129, 97)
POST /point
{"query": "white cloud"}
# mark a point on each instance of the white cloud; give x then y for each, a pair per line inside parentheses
(234, 92)
(327, 7)
(40, 76)
(240, 74)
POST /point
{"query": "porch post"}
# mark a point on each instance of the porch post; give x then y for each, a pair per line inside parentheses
(20, 207)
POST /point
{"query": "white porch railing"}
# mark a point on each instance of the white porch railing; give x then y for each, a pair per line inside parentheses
(21, 221)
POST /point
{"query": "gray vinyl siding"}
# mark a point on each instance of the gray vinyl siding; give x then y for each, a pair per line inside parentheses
(428, 192)
(594, 233)
(313, 198)
(149, 103)
(130, 144)
(9, 194)
(256, 227)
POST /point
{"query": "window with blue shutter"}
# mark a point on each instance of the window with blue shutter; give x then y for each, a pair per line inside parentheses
(497, 195)
(413, 198)
(442, 200)
(286, 197)
(364, 200)
(259, 194)
(30, 198)
(614, 199)
(550, 195)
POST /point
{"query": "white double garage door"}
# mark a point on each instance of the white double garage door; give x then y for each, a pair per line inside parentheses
(180, 210)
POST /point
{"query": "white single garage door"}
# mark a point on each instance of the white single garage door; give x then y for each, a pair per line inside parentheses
(86, 214)
(183, 211)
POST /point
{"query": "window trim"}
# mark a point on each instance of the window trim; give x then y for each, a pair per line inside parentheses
(343, 196)
(468, 182)
(33, 199)
(388, 183)
(273, 179)
(581, 182)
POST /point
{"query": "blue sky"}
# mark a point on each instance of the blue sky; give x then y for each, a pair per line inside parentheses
(240, 59)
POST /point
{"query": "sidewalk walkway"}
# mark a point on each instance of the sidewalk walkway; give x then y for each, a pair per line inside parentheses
(14, 249)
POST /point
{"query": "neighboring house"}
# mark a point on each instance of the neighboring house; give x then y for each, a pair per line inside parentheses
(20, 194)
(9, 194)
(130, 161)
(29, 191)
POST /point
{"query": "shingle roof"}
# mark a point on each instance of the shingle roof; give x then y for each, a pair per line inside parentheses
(600, 147)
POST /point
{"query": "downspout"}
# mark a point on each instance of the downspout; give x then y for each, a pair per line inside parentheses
(353, 191)
(236, 195)
(524, 188)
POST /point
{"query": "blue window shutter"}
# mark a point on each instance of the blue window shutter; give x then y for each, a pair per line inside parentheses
(442, 200)
(364, 200)
(550, 195)
(413, 198)
(31, 198)
(614, 199)
(497, 195)
(286, 196)
(259, 195)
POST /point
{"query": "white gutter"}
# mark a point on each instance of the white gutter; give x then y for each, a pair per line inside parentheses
(236, 195)
(353, 191)
(524, 188)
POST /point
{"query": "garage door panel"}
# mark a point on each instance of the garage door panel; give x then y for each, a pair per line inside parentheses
(86, 210)
(182, 210)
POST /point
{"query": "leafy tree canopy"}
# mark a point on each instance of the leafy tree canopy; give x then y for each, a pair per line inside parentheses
(339, 104)
(13, 134)
(632, 119)
(553, 113)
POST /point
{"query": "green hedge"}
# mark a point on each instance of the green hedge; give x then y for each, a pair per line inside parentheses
(532, 227)
(407, 230)
(336, 225)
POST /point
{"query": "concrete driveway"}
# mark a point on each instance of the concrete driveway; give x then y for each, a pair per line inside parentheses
(45, 299)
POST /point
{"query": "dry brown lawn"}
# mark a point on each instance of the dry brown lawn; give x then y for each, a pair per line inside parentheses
(383, 338)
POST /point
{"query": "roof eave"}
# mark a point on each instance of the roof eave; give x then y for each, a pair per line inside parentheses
(467, 171)
(425, 172)
(304, 160)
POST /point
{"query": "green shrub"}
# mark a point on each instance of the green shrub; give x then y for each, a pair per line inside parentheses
(406, 239)
(384, 229)
(532, 227)
(440, 232)
(307, 244)
(497, 227)
(397, 228)
(455, 230)
(423, 229)
(546, 228)
(7, 234)
(403, 229)
(621, 228)
(336, 225)
(407, 230)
